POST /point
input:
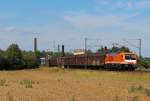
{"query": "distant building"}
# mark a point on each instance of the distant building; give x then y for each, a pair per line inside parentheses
(43, 60)
(79, 52)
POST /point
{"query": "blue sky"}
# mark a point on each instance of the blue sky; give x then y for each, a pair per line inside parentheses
(68, 22)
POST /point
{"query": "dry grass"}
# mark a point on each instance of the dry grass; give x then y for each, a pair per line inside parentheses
(56, 84)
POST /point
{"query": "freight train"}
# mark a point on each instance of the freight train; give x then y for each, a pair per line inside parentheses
(110, 61)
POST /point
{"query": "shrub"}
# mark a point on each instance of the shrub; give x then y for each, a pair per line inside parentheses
(30, 60)
(4, 63)
(3, 82)
(145, 63)
(140, 89)
(135, 98)
(31, 64)
(28, 83)
(147, 92)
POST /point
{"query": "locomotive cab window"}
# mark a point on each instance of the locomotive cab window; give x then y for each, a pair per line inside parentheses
(130, 57)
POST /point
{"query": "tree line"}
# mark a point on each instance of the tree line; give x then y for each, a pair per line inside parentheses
(13, 58)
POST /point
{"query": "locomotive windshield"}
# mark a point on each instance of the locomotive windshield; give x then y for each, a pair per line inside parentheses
(130, 57)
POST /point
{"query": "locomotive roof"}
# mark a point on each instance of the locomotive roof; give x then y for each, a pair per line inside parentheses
(114, 53)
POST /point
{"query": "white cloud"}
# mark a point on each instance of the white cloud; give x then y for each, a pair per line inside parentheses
(91, 21)
(96, 21)
(10, 29)
(112, 23)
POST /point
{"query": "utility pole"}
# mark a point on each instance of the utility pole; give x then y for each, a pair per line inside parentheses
(85, 52)
(54, 45)
(140, 48)
(85, 45)
(115, 44)
(58, 48)
(58, 52)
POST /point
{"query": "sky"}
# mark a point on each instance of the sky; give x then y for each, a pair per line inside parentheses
(69, 22)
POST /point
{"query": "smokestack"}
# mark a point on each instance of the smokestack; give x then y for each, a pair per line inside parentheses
(105, 48)
(35, 44)
(63, 51)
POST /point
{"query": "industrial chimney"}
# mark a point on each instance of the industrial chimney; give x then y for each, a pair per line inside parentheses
(63, 50)
(35, 44)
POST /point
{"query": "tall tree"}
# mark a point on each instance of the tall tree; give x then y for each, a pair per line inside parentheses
(14, 56)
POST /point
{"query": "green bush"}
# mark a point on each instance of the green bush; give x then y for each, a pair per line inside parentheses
(3, 82)
(145, 63)
(3, 63)
(14, 59)
(28, 83)
(141, 89)
(31, 63)
(31, 60)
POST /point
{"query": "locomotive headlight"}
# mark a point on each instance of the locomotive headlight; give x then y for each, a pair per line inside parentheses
(130, 61)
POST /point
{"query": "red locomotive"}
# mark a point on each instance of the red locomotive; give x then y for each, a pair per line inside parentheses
(122, 60)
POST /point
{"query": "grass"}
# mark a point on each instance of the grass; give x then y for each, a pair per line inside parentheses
(3, 82)
(135, 98)
(116, 98)
(28, 83)
(139, 89)
(74, 85)
(0, 98)
(52, 69)
(10, 97)
(73, 98)
(147, 92)
(121, 76)
(99, 84)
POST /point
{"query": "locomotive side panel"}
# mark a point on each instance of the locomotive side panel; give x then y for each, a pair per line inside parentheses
(114, 59)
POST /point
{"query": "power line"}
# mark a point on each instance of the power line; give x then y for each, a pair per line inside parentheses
(131, 44)
(139, 46)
